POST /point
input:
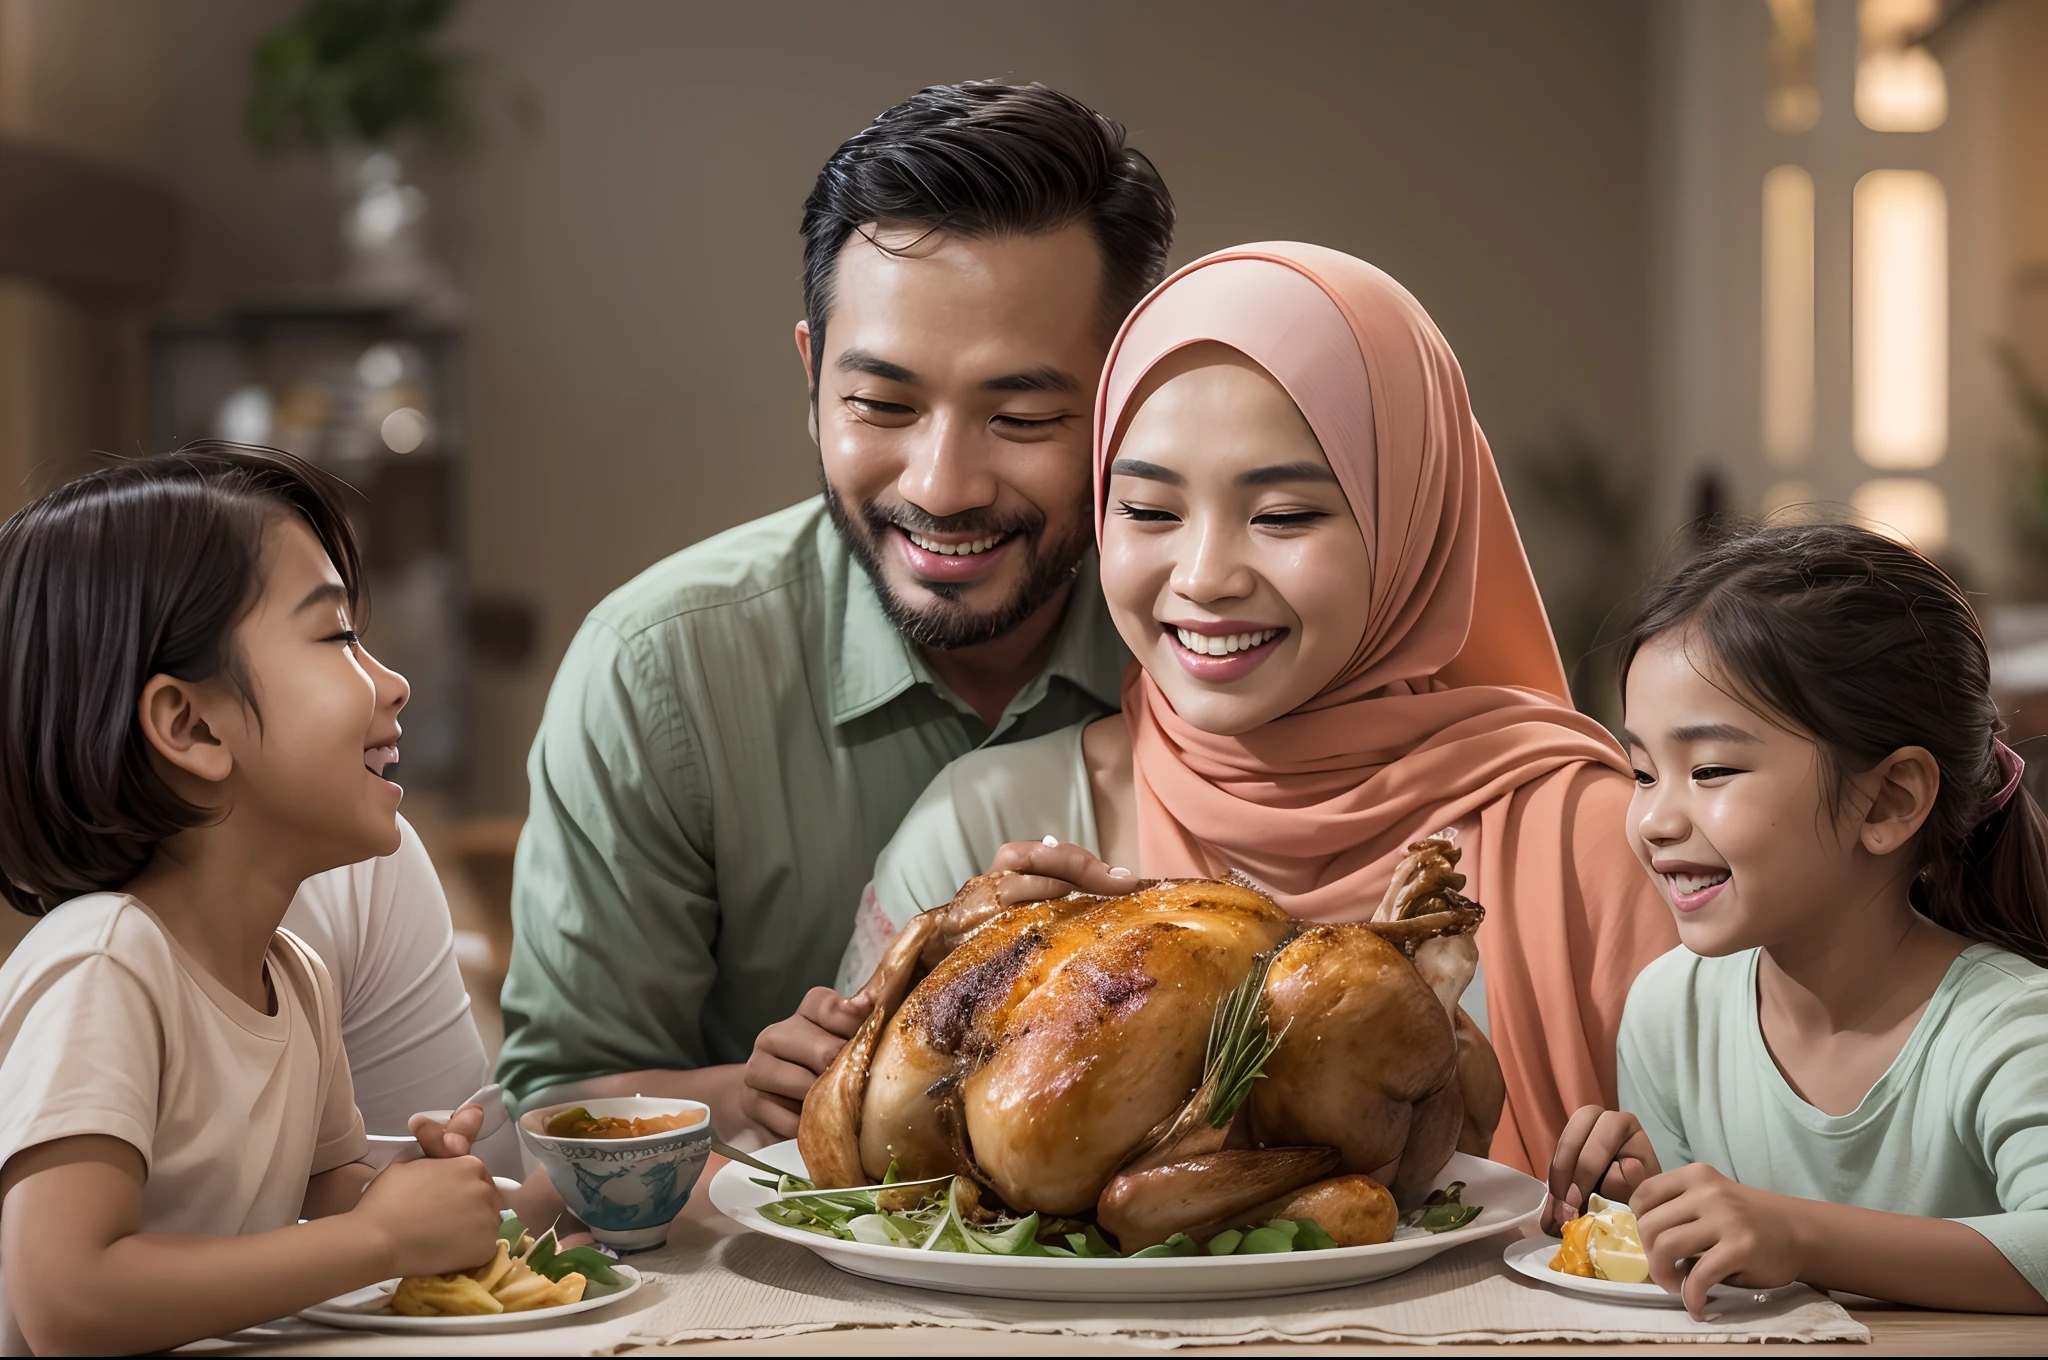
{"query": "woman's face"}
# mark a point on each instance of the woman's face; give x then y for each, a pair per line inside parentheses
(1230, 557)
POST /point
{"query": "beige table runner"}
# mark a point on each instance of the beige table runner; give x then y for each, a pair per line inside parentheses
(720, 1285)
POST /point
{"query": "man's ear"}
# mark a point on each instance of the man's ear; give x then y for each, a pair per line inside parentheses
(171, 712)
(803, 352)
(1903, 788)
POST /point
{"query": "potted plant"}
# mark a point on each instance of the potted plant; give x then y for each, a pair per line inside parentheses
(355, 79)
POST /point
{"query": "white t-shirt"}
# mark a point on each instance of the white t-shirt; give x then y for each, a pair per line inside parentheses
(383, 929)
(108, 1027)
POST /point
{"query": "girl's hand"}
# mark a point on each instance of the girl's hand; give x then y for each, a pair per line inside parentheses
(1599, 1150)
(1730, 1232)
(452, 1139)
(437, 1215)
(1035, 871)
(792, 1054)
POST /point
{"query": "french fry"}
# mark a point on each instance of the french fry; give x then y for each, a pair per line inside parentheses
(568, 1289)
(497, 1268)
(518, 1290)
(443, 1296)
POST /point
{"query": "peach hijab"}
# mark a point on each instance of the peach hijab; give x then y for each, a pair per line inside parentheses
(1453, 711)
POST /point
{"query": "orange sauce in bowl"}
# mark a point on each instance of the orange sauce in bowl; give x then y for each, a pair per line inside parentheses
(581, 1123)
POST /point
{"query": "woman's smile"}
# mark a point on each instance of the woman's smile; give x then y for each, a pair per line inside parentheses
(1221, 651)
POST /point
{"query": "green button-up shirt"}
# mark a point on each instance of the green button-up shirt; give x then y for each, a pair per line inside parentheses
(732, 738)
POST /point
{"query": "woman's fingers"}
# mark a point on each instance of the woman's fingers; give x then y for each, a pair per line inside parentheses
(1064, 862)
(1015, 889)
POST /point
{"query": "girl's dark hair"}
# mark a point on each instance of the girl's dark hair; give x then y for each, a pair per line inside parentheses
(987, 159)
(139, 569)
(1867, 647)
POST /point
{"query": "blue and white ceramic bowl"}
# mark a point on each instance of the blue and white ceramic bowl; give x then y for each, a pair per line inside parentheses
(626, 1189)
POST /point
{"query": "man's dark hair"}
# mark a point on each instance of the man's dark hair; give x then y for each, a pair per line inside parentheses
(985, 159)
(139, 569)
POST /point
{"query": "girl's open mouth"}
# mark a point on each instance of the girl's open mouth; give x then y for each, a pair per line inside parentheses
(1222, 656)
(375, 758)
(1693, 889)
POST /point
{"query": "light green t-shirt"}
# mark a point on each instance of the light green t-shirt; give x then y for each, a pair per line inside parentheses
(1956, 1128)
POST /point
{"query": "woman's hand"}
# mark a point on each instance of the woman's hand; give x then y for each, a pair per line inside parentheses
(1730, 1233)
(790, 1055)
(1038, 871)
(1599, 1150)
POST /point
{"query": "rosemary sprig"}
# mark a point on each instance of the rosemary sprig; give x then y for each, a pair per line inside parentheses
(1240, 1041)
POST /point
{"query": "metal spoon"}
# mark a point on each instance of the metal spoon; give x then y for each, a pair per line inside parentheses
(491, 1097)
(733, 1154)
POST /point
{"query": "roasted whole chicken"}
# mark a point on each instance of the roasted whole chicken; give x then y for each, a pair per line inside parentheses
(1176, 1060)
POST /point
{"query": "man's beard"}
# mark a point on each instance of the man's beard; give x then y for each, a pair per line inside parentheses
(948, 624)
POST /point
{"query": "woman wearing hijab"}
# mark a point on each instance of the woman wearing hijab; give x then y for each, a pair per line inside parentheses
(1339, 649)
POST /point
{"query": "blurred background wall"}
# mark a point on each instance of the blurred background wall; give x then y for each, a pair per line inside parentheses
(631, 260)
(1578, 190)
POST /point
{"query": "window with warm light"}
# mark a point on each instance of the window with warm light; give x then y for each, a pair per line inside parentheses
(1794, 105)
(1788, 315)
(1909, 509)
(1899, 83)
(1899, 331)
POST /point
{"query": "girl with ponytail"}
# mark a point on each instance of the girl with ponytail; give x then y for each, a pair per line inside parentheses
(1841, 1075)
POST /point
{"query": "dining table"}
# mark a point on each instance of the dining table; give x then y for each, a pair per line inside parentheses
(1893, 1331)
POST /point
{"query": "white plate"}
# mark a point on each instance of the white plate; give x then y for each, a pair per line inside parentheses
(367, 1310)
(1531, 1257)
(1510, 1199)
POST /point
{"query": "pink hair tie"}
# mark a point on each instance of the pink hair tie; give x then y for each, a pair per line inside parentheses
(2013, 767)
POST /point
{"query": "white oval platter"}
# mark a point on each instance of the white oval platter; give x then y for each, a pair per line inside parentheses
(1511, 1199)
(368, 1310)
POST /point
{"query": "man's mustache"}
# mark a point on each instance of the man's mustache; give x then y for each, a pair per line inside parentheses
(977, 523)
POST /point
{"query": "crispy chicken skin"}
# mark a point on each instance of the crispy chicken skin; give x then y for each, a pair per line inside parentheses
(1050, 1044)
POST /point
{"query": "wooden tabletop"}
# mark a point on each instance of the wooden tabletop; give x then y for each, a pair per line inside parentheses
(1894, 1331)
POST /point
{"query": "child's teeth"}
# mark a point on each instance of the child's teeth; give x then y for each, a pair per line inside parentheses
(1688, 884)
(1224, 646)
(979, 545)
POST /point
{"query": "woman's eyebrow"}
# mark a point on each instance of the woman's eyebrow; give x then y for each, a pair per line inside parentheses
(1303, 471)
(1151, 472)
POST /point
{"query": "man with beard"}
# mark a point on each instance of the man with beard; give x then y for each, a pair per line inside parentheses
(734, 735)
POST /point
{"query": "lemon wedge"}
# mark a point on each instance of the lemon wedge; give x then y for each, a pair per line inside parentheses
(1614, 1244)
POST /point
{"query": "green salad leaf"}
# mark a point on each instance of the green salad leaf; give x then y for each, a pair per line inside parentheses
(1274, 1235)
(934, 1222)
(1444, 1210)
(546, 1257)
